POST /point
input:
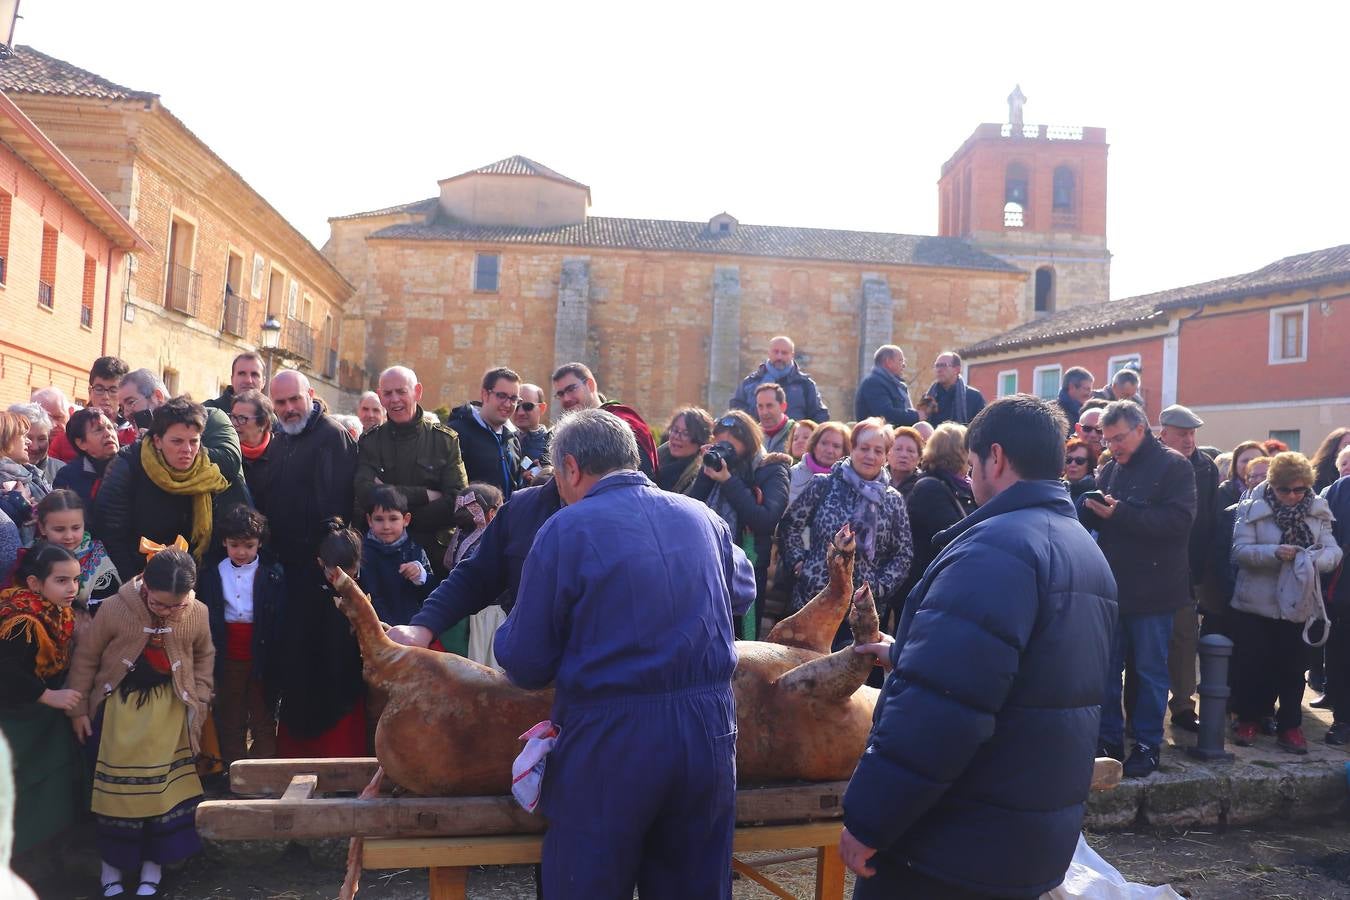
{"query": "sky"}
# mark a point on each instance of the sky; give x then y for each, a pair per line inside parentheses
(1227, 123)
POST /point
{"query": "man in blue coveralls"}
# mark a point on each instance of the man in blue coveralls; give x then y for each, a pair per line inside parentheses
(625, 605)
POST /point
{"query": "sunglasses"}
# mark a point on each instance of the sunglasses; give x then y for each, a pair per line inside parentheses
(1075, 460)
(525, 405)
(727, 422)
(1291, 491)
(1091, 428)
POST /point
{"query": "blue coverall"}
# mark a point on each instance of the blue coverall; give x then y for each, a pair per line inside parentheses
(625, 605)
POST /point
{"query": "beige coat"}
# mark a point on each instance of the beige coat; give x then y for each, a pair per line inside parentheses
(1256, 537)
(114, 641)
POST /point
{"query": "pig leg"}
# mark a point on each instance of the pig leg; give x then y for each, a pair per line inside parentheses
(833, 679)
(814, 625)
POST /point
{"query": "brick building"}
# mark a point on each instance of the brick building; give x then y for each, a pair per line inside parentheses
(1257, 355)
(505, 267)
(59, 239)
(217, 260)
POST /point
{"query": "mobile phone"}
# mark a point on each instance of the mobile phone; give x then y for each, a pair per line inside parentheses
(1095, 495)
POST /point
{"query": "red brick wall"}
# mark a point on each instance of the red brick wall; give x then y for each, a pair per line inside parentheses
(984, 375)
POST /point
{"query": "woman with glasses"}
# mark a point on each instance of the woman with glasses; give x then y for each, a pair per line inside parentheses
(857, 491)
(163, 486)
(253, 417)
(143, 671)
(1281, 520)
(678, 459)
(748, 488)
(1080, 467)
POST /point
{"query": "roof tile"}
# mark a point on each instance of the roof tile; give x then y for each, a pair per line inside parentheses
(31, 72)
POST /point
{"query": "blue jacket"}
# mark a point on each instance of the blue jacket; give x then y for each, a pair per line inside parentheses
(879, 395)
(630, 591)
(1337, 495)
(395, 598)
(981, 752)
(803, 397)
(492, 574)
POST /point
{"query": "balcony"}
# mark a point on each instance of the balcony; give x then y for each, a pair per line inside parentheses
(87, 316)
(184, 290)
(297, 339)
(45, 294)
(235, 320)
(352, 377)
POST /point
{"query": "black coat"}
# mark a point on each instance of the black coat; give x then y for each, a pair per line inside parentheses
(308, 479)
(981, 753)
(487, 458)
(759, 498)
(1206, 513)
(395, 598)
(130, 506)
(946, 401)
(879, 395)
(84, 476)
(934, 505)
(1081, 486)
(803, 397)
(269, 599)
(1145, 541)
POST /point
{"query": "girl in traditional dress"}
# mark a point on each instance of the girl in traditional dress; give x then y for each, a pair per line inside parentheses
(149, 655)
(36, 627)
(60, 517)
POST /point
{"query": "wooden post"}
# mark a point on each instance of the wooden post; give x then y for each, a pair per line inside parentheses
(448, 883)
(829, 874)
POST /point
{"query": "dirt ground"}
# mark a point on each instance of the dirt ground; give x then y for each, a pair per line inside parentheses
(1306, 862)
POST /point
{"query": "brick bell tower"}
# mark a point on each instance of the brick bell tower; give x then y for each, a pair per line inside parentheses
(1034, 195)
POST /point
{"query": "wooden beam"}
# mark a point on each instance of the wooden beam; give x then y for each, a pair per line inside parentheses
(830, 873)
(760, 879)
(445, 883)
(301, 788)
(782, 837)
(271, 777)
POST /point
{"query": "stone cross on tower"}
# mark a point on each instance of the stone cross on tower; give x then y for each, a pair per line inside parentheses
(1016, 100)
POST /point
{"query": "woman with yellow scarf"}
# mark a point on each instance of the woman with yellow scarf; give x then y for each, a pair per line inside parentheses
(163, 486)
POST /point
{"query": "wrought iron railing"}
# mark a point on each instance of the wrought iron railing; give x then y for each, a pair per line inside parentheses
(87, 316)
(297, 339)
(183, 291)
(235, 318)
(45, 294)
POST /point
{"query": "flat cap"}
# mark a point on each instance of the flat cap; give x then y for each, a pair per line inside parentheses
(1179, 416)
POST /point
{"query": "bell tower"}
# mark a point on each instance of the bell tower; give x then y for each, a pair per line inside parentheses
(1035, 196)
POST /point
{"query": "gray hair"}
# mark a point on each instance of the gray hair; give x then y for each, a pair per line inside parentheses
(352, 424)
(885, 352)
(145, 382)
(53, 395)
(1127, 411)
(402, 372)
(367, 395)
(37, 416)
(599, 441)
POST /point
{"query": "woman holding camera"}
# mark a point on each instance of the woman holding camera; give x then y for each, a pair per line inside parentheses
(748, 489)
(857, 491)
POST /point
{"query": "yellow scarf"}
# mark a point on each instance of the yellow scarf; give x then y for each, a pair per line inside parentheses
(199, 482)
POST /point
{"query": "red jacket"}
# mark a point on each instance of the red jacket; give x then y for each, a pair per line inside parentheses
(640, 430)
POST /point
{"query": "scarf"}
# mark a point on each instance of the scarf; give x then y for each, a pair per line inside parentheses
(690, 474)
(199, 482)
(814, 467)
(1293, 520)
(253, 453)
(867, 513)
(773, 374)
(772, 432)
(894, 379)
(24, 613)
(959, 413)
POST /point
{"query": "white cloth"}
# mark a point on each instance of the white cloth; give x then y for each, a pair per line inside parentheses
(236, 583)
(1092, 878)
(527, 772)
(482, 631)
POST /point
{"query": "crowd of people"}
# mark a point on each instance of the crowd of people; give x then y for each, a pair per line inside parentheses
(163, 601)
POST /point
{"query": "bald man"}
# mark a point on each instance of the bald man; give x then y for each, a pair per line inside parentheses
(780, 368)
(422, 459)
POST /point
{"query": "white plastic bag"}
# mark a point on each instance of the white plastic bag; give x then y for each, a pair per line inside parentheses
(1092, 878)
(527, 772)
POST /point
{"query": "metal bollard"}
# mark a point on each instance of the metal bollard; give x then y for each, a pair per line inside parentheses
(1215, 651)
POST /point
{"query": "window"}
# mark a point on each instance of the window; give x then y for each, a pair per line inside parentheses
(256, 286)
(47, 269)
(1290, 437)
(1128, 361)
(87, 292)
(1063, 189)
(1007, 382)
(292, 300)
(276, 292)
(182, 285)
(1015, 185)
(1046, 381)
(486, 272)
(1288, 334)
(5, 200)
(1045, 289)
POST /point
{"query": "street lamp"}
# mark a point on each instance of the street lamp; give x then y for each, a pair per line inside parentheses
(271, 339)
(9, 16)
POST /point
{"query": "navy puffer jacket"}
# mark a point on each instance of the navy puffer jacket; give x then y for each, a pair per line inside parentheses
(981, 752)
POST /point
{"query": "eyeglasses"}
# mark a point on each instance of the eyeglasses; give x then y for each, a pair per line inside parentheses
(504, 397)
(942, 365)
(678, 433)
(241, 420)
(1075, 460)
(1292, 491)
(1092, 428)
(99, 390)
(526, 405)
(567, 391)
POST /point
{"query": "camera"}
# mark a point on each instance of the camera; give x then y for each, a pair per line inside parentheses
(718, 455)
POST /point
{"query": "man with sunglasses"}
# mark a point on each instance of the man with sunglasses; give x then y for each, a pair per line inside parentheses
(487, 439)
(1179, 425)
(420, 458)
(534, 434)
(1088, 428)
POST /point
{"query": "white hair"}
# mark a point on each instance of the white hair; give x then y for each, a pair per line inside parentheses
(402, 372)
(52, 395)
(352, 424)
(37, 416)
(367, 395)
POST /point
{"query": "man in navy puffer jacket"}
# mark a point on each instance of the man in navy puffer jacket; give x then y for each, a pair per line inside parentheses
(981, 753)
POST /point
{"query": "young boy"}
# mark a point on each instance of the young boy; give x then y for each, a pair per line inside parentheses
(395, 570)
(243, 589)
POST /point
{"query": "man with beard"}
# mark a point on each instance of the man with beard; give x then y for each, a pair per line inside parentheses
(780, 368)
(312, 465)
(422, 459)
(575, 388)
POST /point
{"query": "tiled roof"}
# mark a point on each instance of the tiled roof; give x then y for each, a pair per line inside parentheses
(520, 165)
(31, 72)
(417, 207)
(694, 237)
(1291, 273)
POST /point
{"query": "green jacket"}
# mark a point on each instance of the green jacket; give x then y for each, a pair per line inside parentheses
(414, 458)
